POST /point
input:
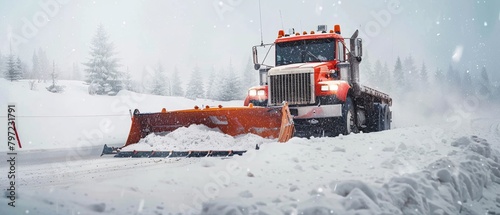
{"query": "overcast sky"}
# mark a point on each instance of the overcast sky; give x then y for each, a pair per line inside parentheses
(211, 32)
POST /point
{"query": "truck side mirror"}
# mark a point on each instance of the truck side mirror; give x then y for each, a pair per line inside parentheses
(256, 64)
(358, 51)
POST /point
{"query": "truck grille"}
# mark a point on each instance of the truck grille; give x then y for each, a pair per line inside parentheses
(296, 88)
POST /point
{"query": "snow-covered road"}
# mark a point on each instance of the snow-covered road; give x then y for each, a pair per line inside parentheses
(315, 175)
(445, 167)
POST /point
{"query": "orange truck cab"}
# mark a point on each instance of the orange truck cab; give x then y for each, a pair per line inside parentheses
(318, 76)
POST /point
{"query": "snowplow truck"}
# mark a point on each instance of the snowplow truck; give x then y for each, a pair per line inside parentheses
(317, 74)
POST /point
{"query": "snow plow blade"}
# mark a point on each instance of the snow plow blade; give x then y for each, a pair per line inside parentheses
(169, 154)
(267, 122)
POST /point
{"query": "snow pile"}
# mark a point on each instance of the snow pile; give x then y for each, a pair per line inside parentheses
(196, 137)
(446, 186)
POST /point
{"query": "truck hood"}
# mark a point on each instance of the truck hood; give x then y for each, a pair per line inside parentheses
(300, 65)
(296, 67)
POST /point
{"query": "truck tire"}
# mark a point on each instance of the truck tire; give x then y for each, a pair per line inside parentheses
(348, 118)
(377, 118)
(387, 118)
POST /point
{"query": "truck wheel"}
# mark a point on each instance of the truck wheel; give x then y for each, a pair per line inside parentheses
(348, 117)
(376, 120)
(387, 118)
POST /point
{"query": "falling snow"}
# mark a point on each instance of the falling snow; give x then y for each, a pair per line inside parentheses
(296, 171)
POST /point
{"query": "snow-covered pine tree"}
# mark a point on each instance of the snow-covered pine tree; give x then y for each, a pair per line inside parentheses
(212, 84)
(424, 77)
(1, 64)
(249, 76)
(484, 83)
(453, 78)
(102, 67)
(195, 86)
(127, 81)
(177, 89)
(366, 70)
(159, 83)
(20, 68)
(439, 79)
(378, 80)
(410, 72)
(386, 78)
(53, 75)
(44, 66)
(467, 87)
(35, 70)
(12, 70)
(231, 88)
(399, 76)
(219, 84)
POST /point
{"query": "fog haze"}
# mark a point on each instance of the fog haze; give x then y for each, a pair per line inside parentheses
(212, 33)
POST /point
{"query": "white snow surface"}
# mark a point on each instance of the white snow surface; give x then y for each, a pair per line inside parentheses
(447, 166)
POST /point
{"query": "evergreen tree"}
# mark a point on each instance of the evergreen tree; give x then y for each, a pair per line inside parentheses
(146, 79)
(366, 72)
(13, 69)
(176, 84)
(399, 76)
(439, 79)
(211, 88)
(43, 65)
(410, 72)
(102, 72)
(386, 78)
(231, 88)
(249, 76)
(1, 64)
(378, 71)
(36, 69)
(453, 78)
(484, 82)
(20, 68)
(467, 86)
(54, 88)
(159, 85)
(128, 81)
(195, 86)
(424, 78)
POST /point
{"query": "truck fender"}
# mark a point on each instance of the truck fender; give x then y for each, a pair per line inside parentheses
(247, 101)
(343, 90)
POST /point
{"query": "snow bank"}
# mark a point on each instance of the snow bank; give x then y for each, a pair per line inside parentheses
(446, 186)
(74, 118)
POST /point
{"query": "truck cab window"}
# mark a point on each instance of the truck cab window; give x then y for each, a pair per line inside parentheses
(318, 50)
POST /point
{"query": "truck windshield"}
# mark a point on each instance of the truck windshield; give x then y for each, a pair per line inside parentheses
(302, 51)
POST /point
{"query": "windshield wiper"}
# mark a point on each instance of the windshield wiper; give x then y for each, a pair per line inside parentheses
(312, 55)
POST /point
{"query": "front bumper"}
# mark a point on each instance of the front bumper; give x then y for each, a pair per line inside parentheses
(325, 107)
(310, 112)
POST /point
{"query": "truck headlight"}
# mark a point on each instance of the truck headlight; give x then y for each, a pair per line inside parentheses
(261, 93)
(252, 92)
(331, 87)
(334, 87)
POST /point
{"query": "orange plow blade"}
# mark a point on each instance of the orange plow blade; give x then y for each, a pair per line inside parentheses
(272, 122)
